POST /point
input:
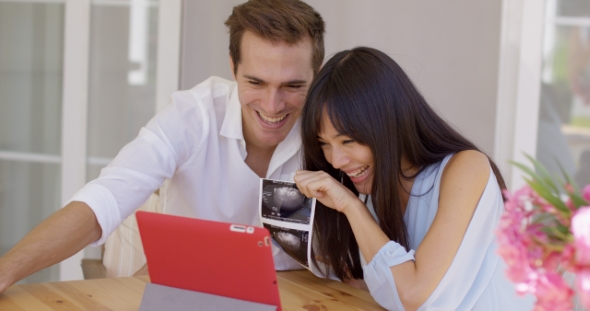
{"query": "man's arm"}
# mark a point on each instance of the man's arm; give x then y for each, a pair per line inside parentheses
(58, 237)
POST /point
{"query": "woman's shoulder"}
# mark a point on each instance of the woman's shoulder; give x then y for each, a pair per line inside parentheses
(466, 174)
(468, 162)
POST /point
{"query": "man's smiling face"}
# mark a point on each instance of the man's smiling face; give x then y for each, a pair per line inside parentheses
(273, 79)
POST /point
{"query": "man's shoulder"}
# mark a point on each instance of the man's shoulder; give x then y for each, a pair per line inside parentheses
(213, 87)
(212, 91)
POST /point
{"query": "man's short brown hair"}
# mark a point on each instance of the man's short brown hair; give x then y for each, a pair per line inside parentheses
(286, 21)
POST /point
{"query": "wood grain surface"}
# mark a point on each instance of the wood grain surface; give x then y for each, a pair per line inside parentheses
(299, 291)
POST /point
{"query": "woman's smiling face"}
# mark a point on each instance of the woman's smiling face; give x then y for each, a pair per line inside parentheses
(345, 154)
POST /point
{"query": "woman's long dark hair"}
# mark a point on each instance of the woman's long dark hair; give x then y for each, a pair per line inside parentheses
(369, 98)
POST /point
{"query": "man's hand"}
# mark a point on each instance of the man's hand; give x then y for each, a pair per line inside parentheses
(4, 285)
(58, 237)
(142, 271)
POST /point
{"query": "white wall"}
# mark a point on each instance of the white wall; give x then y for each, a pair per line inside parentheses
(449, 48)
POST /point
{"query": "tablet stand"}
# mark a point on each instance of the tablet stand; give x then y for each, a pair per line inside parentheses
(159, 297)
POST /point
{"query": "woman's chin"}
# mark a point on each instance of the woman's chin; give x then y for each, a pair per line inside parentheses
(363, 184)
(363, 188)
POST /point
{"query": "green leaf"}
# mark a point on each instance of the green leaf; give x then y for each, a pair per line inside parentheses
(559, 232)
(542, 217)
(567, 177)
(563, 229)
(548, 196)
(578, 200)
(532, 174)
(525, 169)
(576, 197)
(544, 174)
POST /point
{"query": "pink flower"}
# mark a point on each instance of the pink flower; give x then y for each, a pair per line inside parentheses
(552, 293)
(569, 188)
(512, 246)
(567, 258)
(535, 232)
(552, 261)
(583, 287)
(534, 249)
(581, 230)
(586, 193)
(534, 241)
(570, 204)
(516, 261)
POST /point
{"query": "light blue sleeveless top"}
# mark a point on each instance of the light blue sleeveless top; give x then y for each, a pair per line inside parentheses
(475, 280)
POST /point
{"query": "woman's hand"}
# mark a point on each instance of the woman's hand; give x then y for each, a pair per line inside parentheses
(326, 189)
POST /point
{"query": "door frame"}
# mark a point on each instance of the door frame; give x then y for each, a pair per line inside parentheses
(75, 94)
(519, 85)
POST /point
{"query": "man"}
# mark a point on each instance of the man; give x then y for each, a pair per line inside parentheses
(212, 142)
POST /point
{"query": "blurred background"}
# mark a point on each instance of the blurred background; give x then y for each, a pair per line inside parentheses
(78, 79)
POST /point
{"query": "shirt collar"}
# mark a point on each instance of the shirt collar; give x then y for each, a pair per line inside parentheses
(232, 128)
(232, 122)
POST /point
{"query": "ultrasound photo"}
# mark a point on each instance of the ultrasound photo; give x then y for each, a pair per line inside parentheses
(294, 242)
(283, 201)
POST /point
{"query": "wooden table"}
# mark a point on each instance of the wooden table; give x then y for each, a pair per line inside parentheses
(299, 291)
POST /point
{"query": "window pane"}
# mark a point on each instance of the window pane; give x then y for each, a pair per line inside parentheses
(123, 44)
(573, 8)
(31, 52)
(564, 118)
(31, 61)
(29, 193)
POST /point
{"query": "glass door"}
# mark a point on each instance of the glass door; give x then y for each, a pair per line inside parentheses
(31, 74)
(563, 135)
(122, 76)
(78, 79)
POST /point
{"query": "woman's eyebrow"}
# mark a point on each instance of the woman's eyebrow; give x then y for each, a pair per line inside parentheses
(335, 136)
(338, 135)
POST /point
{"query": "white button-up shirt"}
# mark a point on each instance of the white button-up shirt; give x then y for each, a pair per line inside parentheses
(197, 144)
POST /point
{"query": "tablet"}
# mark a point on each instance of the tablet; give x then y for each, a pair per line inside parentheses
(218, 258)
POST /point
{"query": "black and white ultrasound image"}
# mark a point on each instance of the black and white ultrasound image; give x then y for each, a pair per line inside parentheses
(283, 201)
(294, 242)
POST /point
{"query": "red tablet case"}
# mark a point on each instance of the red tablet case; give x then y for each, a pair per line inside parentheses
(218, 258)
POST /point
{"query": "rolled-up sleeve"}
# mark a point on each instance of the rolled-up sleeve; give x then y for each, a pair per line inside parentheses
(379, 278)
(96, 195)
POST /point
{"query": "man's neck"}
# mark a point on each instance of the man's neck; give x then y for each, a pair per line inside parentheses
(259, 154)
(258, 159)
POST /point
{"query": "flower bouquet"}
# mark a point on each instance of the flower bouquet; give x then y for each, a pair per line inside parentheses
(544, 236)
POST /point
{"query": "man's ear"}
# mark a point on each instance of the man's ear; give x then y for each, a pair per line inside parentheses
(231, 67)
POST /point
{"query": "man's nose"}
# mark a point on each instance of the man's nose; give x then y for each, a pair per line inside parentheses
(274, 102)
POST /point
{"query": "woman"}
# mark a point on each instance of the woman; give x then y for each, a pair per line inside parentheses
(405, 202)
